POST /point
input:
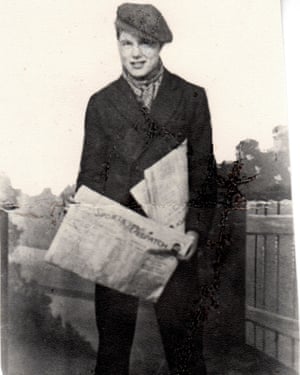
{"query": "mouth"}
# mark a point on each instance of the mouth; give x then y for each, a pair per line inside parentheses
(137, 64)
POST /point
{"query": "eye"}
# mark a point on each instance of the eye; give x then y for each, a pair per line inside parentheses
(125, 43)
(147, 42)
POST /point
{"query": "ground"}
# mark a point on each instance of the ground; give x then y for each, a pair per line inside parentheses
(30, 359)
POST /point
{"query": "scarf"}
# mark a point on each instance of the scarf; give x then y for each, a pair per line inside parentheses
(146, 90)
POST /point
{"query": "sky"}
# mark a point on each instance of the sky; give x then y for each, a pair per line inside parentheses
(57, 53)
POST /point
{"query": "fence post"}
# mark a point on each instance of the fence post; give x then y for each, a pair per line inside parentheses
(4, 290)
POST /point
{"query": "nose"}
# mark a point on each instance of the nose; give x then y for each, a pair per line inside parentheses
(136, 51)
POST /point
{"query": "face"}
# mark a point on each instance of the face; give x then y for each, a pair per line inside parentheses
(138, 56)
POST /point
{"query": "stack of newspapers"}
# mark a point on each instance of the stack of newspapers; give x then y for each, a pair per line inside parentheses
(109, 244)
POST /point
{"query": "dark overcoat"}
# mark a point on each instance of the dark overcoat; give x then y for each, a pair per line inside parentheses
(122, 139)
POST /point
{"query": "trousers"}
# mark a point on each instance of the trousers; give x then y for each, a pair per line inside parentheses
(116, 315)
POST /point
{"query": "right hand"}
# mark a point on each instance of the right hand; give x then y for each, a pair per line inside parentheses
(68, 202)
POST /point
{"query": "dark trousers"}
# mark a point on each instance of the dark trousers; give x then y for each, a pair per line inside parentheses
(116, 316)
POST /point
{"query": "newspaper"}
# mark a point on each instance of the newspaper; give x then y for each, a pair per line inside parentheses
(105, 242)
(163, 193)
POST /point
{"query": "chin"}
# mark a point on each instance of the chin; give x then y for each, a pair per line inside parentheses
(138, 73)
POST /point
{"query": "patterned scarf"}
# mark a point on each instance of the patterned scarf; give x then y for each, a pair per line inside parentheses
(146, 90)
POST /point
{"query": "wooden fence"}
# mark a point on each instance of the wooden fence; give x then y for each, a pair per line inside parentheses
(271, 292)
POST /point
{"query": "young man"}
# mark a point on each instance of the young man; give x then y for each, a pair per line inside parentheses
(131, 124)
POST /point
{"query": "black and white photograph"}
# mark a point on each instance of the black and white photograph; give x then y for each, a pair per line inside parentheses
(147, 211)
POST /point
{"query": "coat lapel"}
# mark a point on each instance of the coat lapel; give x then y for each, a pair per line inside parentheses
(123, 99)
(140, 122)
(167, 99)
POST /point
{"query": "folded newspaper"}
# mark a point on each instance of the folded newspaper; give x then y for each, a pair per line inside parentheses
(163, 193)
(109, 244)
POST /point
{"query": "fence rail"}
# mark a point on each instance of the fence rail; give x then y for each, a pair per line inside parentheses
(271, 293)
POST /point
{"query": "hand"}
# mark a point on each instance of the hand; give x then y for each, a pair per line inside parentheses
(173, 252)
(193, 248)
(68, 202)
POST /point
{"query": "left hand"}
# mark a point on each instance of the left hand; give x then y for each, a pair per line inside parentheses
(181, 258)
(193, 248)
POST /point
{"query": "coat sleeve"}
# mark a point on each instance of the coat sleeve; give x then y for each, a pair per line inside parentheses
(94, 165)
(202, 170)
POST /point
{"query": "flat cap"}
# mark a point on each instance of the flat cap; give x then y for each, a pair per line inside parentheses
(145, 20)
